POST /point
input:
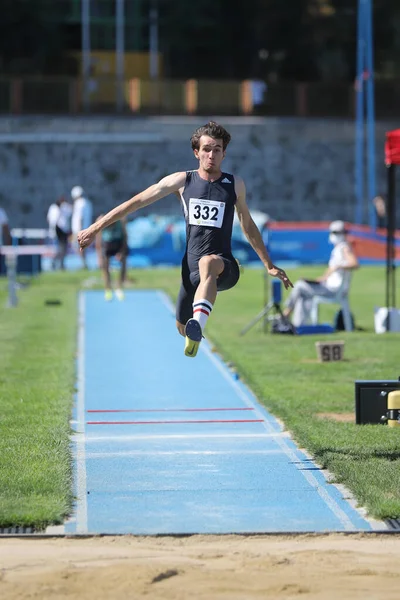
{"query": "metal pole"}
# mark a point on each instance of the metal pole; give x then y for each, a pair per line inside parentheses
(120, 52)
(371, 114)
(359, 146)
(85, 18)
(390, 243)
(153, 40)
(11, 264)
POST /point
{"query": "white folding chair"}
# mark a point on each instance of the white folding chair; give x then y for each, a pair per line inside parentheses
(341, 298)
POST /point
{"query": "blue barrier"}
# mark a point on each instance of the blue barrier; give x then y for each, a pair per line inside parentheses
(314, 329)
(156, 240)
(301, 246)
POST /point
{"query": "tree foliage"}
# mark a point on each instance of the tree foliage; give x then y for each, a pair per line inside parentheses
(278, 39)
(30, 42)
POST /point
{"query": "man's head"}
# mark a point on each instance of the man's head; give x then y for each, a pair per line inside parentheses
(337, 232)
(209, 144)
(77, 192)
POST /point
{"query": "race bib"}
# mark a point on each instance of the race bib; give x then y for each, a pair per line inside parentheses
(208, 213)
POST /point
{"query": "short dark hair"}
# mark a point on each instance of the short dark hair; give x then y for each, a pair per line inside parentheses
(213, 130)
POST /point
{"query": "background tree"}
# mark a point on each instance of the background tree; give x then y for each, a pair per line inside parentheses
(284, 40)
(31, 39)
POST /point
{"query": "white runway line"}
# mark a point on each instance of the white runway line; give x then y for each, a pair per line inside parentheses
(94, 455)
(81, 483)
(185, 436)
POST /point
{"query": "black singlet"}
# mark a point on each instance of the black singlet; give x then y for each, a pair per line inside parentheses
(209, 208)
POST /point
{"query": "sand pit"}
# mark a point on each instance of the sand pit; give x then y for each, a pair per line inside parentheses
(320, 567)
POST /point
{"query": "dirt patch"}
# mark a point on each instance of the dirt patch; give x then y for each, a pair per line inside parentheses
(202, 568)
(340, 417)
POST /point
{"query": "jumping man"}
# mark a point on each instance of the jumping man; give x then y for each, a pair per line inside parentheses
(208, 198)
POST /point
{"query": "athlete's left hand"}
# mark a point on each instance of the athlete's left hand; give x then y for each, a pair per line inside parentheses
(280, 274)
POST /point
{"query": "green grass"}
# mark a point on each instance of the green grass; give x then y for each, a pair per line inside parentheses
(37, 352)
(37, 346)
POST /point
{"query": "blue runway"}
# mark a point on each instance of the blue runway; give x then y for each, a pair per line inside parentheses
(170, 445)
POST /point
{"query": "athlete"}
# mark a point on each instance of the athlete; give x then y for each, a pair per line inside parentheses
(209, 198)
(112, 241)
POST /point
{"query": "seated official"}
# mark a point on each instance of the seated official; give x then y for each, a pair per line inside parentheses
(335, 280)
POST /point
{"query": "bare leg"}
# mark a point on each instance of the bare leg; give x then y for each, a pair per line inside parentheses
(63, 253)
(122, 273)
(210, 267)
(106, 272)
(84, 259)
(57, 259)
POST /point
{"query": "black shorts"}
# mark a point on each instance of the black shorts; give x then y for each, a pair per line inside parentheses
(191, 279)
(113, 248)
(62, 236)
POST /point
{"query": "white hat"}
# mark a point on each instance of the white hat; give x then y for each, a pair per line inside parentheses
(337, 227)
(77, 192)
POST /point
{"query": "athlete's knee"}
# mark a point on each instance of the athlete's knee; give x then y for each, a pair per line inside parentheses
(211, 265)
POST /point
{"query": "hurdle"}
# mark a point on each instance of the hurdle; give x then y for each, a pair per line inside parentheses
(11, 254)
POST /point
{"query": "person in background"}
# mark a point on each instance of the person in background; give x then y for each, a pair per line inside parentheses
(63, 230)
(82, 214)
(336, 278)
(59, 221)
(112, 241)
(5, 234)
(380, 210)
(51, 218)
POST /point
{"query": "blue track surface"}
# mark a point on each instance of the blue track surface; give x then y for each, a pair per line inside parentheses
(166, 444)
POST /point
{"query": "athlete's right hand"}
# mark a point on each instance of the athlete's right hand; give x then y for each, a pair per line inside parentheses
(280, 274)
(85, 237)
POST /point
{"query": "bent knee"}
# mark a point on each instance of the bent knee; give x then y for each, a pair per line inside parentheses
(211, 264)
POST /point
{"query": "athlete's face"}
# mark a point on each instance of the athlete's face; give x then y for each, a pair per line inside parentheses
(210, 154)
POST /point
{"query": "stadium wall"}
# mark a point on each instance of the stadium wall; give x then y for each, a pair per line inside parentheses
(294, 169)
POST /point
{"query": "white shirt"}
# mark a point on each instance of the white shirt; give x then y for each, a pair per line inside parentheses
(339, 279)
(64, 217)
(52, 218)
(3, 221)
(82, 215)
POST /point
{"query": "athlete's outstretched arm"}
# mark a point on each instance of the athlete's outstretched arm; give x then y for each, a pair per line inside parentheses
(167, 185)
(254, 236)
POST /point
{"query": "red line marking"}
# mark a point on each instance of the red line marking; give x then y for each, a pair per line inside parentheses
(172, 422)
(123, 410)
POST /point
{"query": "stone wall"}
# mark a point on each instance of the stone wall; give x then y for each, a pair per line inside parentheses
(294, 169)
